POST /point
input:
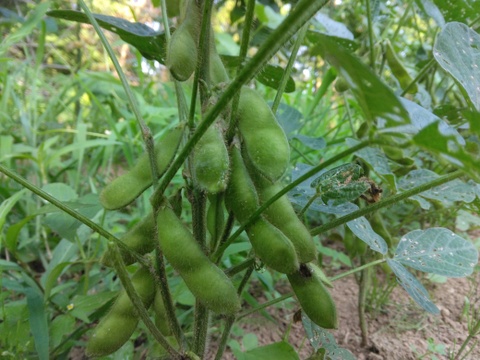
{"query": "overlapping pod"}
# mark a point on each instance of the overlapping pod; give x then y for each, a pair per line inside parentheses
(269, 243)
(313, 296)
(182, 52)
(283, 216)
(121, 321)
(126, 188)
(140, 238)
(205, 280)
(210, 163)
(264, 139)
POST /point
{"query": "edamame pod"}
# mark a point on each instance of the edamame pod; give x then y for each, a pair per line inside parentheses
(398, 69)
(140, 238)
(205, 280)
(210, 162)
(314, 297)
(182, 52)
(283, 216)
(121, 321)
(161, 314)
(264, 139)
(269, 243)
(126, 188)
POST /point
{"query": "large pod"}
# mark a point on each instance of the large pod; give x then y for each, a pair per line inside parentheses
(121, 321)
(205, 280)
(264, 139)
(210, 162)
(182, 52)
(314, 297)
(127, 187)
(140, 238)
(269, 243)
(283, 216)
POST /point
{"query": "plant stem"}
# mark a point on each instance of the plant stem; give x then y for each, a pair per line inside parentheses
(386, 202)
(362, 297)
(73, 213)
(266, 204)
(240, 267)
(304, 10)
(200, 333)
(288, 70)
(419, 76)
(471, 334)
(370, 35)
(137, 302)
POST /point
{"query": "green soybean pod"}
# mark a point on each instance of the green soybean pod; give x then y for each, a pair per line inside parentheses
(314, 297)
(264, 139)
(161, 320)
(269, 243)
(210, 162)
(118, 325)
(205, 280)
(182, 51)
(398, 69)
(140, 238)
(283, 216)
(127, 187)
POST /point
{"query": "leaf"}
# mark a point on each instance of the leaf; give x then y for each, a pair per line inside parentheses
(314, 37)
(458, 10)
(13, 232)
(83, 306)
(289, 118)
(7, 205)
(457, 50)
(322, 339)
(413, 287)
(270, 75)
(332, 27)
(61, 327)
(52, 278)
(431, 10)
(38, 322)
(34, 18)
(438, 251)
(455, 190)
(377, 100)
(363, 230)
(340, 174)
(315, 143)
(278, 351)
(150, 43)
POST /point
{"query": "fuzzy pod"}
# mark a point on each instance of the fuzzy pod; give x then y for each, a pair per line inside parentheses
(127, 187)
(264, 140)
(205, 280)
(283, 216)
(118, 325)
(182, 51)
(215, 217)
(314, 297)
(140, 238)
(210, 162)
(161, 320)
(269, 243)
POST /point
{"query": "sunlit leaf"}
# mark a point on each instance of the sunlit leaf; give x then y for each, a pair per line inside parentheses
(458, 10)
(438, 251)
(280, 350)
(363, 230)
(38, 322)
(413, 287)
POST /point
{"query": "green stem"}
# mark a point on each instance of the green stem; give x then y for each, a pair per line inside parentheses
(73, 213)
(200, 333)
(362, 298)
(370, 36)
(266, 204)
(327, 80)
(288, 70)
(360, 268)
(137, 302)
(402, 21)
(241, 59)
(386, 202)
(240, 267)
(304, 10)
(470, 336)
(265, 305)
(419, 76)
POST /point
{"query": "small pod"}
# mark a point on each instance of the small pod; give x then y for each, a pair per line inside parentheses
(118, 325)
(398, 69)
(161, 320)
(314, 296)
(205, 280)
(140, 238)
(264, 139)
(210, 162)
(182, 51)
(127, 187)
(283, 216)
(269, 243)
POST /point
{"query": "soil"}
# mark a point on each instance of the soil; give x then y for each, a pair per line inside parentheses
(399, 330)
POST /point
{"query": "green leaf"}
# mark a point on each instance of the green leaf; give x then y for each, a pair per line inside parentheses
(278, 351)
(430, 9)
(61, 326)
(13, 232)
(34, 18)
(289, 118)
(377, 100)
(413, 287)
(332, 27)
(322, 339)
(7, 205)
(38, 322)
(83, 306)
(270, 75)
(316, 36)
(458, 10)
(52, 278)
(150, 43)
(438, 251)
(457, 50)
(363, 230)
(315, 143)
